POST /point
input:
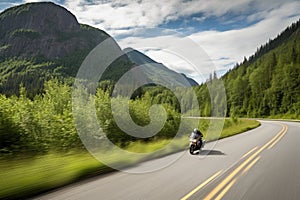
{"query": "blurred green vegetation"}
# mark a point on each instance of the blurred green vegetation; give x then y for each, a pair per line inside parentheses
(22, 177)
(40, 148)
(45, 123)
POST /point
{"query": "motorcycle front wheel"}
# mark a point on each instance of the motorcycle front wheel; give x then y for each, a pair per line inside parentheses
(192, 149)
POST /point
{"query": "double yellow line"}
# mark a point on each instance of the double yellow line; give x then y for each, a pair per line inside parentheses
(229, 181)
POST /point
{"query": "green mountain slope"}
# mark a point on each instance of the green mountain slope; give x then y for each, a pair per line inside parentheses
(268, 84)
(39, 41)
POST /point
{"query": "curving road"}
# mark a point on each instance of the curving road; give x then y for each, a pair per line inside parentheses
(259, 164)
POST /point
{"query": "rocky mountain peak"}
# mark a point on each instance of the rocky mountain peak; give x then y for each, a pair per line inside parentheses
(44, 30)
(39, 17)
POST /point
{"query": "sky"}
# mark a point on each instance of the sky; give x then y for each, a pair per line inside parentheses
(224, 31)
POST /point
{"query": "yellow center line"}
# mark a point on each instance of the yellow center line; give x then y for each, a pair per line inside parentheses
(229, 186)
(249, 152)
(276, 136)
(251, 165)
(201, 186)
(230, 177)
(279, 138)
(239, 168)
(220, 196)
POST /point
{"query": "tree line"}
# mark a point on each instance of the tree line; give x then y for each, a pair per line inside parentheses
(268, 84)
(46, 122)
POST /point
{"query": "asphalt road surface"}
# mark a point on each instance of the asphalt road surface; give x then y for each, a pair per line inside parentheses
(263, 163)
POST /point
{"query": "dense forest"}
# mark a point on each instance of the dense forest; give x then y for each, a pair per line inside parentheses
(268, 83)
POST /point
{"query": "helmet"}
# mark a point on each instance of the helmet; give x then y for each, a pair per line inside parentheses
(195, 130)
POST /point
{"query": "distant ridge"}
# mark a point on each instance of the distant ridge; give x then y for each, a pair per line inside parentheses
(141, 59)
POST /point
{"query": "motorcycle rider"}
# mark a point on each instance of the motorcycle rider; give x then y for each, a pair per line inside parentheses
(196, 134)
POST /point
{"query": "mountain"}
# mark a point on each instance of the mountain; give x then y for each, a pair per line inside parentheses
(154, 69)
(25, 32)
(268, 83)
(39, 41)
(137, 57)
(45, 31)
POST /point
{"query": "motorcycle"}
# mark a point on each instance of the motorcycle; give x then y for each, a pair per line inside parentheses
(195, 146)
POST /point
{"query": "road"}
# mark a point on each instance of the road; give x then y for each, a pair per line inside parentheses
(262, 163)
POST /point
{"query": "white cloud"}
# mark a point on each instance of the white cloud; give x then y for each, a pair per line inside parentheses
(235, 44)
(119, 14)
(122, 14)
(224, 48)
(176, 51)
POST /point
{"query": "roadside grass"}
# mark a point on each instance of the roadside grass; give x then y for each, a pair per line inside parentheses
(287, 117)
(233, 127)
(20, 177)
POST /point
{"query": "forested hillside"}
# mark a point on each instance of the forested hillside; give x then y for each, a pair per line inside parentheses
(41, 41)
(268, 83)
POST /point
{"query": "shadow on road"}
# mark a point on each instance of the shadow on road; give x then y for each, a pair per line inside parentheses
(211, 152)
